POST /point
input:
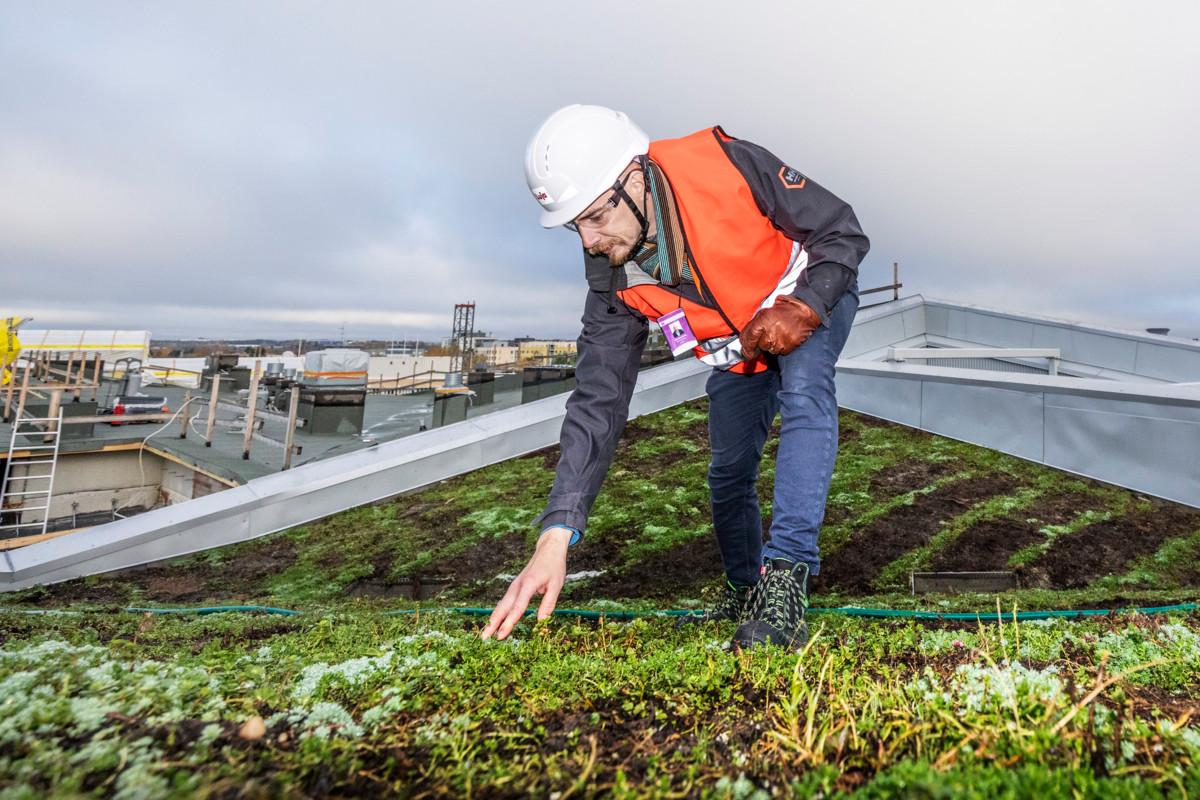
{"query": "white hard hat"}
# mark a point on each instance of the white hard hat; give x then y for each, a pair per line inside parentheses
(576, 155)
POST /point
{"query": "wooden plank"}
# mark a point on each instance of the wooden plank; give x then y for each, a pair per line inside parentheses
(213, 400)
(190, 465)
(160, 417)
(293, 410)
(96, 376)
(8, 390)
(21, 541)
(53, 410)
(955, 582)
(251, 406)
(24, 390)
(183, 415)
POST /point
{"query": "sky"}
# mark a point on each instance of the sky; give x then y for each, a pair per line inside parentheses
(290, 169)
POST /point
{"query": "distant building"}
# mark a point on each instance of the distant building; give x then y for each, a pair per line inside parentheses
(498, 353)
(477, 340)
(383, 371)
(547, 351)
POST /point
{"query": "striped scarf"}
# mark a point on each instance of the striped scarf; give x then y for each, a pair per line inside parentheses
(667, 263)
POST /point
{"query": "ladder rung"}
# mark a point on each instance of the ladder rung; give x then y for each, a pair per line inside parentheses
(28, 477)
(17, 462)
(14, 494)
(21, 525)
(34, 447)
(25, 420)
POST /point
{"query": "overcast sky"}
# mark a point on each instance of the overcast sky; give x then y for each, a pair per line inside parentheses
(283, 169)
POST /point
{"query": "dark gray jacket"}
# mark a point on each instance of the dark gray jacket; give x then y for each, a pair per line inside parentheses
(613, 335)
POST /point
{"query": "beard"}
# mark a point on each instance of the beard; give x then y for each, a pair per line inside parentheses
(617, 252)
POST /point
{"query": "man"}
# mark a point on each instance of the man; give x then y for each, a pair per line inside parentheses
(756, 266)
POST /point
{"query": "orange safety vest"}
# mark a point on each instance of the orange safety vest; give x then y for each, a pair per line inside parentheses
(736, 255)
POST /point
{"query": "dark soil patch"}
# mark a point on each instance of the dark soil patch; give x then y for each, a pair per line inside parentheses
(97, 592)
(599, 743)
(633, 742)
(636, 431)
(487, 559)
(467, 573)
(167, 588)
(598, 553)
(379, 583)
(473, 573)
(988, 545)
(1059, 509)
(549, 456)
(431, 518)
(680, 571)
(853, 566)
(271, 557)
(196, 580)
(405, 510)
(912, 473)
(242, 638)
(1105, 548)
(1151, 703)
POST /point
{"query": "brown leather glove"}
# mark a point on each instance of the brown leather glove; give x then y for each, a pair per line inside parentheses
(779, 329)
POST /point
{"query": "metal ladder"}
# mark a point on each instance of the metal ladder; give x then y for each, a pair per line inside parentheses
(45, 433)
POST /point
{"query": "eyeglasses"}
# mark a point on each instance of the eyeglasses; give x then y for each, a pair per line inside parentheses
(600, 217)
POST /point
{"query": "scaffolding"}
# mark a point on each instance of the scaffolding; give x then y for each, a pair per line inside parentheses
(462, 337)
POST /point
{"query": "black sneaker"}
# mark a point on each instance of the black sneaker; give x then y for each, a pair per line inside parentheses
(776, 613)
(731, 607)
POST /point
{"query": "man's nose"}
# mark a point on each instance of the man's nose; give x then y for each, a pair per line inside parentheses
(590, 238)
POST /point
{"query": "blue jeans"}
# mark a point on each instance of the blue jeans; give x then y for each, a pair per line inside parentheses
(741, 410)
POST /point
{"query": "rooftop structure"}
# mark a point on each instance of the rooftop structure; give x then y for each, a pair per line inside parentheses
(1119, 406)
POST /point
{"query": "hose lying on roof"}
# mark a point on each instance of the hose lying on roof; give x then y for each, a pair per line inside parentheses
(848, 611)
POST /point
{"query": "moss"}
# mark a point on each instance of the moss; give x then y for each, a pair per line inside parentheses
(655, 499)
(355, 703)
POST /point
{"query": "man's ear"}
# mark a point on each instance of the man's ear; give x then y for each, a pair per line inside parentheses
(636, 182)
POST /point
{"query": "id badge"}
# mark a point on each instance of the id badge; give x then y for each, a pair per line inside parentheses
(677, 331)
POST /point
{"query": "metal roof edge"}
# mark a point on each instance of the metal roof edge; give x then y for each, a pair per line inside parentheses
(1175, 394)
(1123, 333)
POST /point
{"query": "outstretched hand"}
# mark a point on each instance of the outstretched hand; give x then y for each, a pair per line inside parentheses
(544, 575)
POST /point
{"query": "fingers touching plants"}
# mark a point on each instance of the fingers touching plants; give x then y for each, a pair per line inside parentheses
(544, 575)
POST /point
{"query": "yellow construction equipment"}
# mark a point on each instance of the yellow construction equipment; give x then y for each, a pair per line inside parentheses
(10, 348)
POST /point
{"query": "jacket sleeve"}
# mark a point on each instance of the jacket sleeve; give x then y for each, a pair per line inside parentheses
(823, 224)
(606, 369)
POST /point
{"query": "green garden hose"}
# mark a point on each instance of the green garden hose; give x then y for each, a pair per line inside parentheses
(848, 611)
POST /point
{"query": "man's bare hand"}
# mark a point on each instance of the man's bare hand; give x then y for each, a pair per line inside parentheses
(544, 575)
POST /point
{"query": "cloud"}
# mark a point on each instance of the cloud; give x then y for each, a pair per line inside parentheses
(280, 169)
(76, 212)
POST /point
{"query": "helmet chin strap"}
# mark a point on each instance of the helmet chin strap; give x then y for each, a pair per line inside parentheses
(619, 188)
(637, 212)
